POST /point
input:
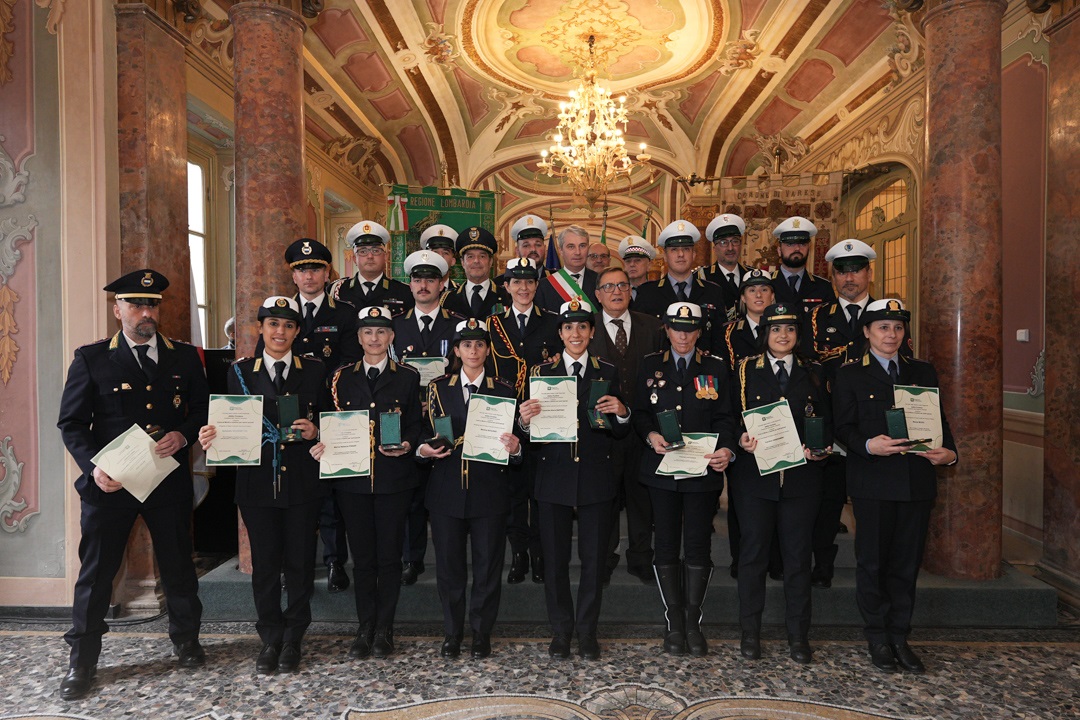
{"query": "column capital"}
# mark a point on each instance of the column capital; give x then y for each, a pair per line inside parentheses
(292, 9)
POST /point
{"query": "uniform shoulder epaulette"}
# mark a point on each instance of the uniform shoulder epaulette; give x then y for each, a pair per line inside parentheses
(758, 360)
(499, 381)
(112, 341)
(403, 366)
(598, 361)
(237, 361)
(451, 315)
(442, 377)
(654, 354)
(310, 359)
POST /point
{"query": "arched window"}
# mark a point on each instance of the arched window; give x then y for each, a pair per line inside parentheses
(885, 218)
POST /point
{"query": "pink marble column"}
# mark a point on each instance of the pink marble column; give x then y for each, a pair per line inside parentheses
(960, 276)
(152, 138)
(269, 133)
(1061, 459)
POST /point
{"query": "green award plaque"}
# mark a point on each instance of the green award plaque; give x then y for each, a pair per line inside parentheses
(444, 433)
(896, 422)
(597, 419)
(669, 428)
(814, 432)
(390, 431)
(288, 407)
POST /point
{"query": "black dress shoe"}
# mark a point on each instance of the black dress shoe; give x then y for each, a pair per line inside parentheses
(268, 659)
(733, 570)
(907, 659)
(451, 647)
(883, 658)
(799, 651)
(336, 577)
(383, 645)
(820, 578)
(841, 529)
(750, 646)
(559, 647)
(644, 574)
(289, 659)
(519, 565)
(77, 682)
(588, 647)
(538, 570)
(410, 571)
(190, 654)
(481, 645)
(361, 646)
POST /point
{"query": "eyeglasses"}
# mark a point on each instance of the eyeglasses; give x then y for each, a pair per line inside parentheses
(612, 287)
(598, 256)
(730, 241)
(373, 251)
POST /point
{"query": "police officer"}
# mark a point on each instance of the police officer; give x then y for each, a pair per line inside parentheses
(375, 506)
(696, 387)
(892, 489)
(636, 254)
(425, 331)
(680, 284)
(529, 233)
(792, 282)
(522, 337)
(280, 499)
(476, 297)
(370, 286)
(137, 377)
(467, 500)
(440, 239)
(780, 505)
(726, 233)
(577, 475)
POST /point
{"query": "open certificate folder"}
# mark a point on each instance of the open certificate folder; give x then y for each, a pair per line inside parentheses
(689, 461)
(489, 417)
(922, 409)
(778, 444)
(238, 420)
(131, 461)
(347, 437)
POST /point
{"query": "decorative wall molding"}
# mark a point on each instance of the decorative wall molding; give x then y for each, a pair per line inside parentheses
(7, 48)
(790, 150)
(739, 54)
(228, 177)
(898, 133)
(907, 55)
(10, 484)
(13, 180)
(514, 106)
(215, 39)
(56, 13)
(1038, 376)
(11, 236)
(439, 47)
(354, 155)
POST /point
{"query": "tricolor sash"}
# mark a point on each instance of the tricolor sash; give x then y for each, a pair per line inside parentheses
(568, 289)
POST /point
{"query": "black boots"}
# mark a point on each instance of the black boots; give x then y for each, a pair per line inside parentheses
(669, 580)
(697, 585)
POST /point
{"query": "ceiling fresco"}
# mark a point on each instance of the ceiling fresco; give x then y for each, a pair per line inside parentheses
(465, 92)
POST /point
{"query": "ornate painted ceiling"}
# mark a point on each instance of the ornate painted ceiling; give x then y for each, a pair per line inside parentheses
(465, 92)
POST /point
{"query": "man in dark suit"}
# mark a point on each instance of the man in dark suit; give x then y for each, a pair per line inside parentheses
(370, 286)
(138, 377)
(574, 280)
(623, 337)
(477, 297)
(681, 285)
(726, 232)
(892, 486)
(793, 283)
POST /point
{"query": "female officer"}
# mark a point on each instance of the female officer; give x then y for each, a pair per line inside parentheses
(695, 386)
(892, 490)
(374, 507)
(783, 503)
(467, 500)
(280, 498)
(579, 474)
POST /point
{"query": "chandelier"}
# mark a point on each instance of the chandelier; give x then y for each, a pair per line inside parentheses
(589, 145)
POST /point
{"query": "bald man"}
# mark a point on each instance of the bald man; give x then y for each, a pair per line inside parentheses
(599, 258)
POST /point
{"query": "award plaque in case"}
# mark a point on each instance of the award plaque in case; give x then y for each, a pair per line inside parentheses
(814, 432)
(597, 419)
(288, 407)
(444, 433)
(896, 422)
(390, 431)
(669, 428)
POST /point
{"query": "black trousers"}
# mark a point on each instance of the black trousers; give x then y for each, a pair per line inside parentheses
(683, 519)
(416, 522)
(761, 520)
(833, 499)
(522, 528)
(105, 534)
(376, 528)
(488, 540)
(634, 498)
(283, 540)
(332, 532)
(556, 535)
(889, 541)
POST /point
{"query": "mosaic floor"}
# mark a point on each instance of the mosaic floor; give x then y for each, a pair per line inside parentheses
(973, 675)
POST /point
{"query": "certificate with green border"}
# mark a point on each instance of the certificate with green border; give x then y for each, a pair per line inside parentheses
(778, 444)
(922, 408)
(428, 367)
(131, 461)
(489, 417)
(347, 437)
(238, 420)
(558, 420)
(689, 461)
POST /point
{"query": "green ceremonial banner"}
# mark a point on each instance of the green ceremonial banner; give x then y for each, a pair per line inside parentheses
(429, 206)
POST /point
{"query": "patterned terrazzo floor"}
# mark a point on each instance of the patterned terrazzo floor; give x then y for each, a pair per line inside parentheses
(973, 675)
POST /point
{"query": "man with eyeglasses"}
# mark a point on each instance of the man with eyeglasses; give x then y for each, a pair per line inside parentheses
(636, 254)
(599, 257)
(574, 280)
(622, 338)
(370, 287)
(726, 233)
(478, 296)
(440, 239)
(792, 283)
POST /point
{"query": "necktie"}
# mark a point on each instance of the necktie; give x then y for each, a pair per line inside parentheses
(755, 331)
(681, 365)
(782, 376)
(577, 277)
(680, 291)
(894, 372)
(575, 368)
(369, 287)
(148, 365)
(477, 302)
(853, 312)
(309, 317)
(425, 334)
(522, 322)
(793, 281)
(731, 282)
(372, 376)
(279, 377)
(472, 389)
(620, 336)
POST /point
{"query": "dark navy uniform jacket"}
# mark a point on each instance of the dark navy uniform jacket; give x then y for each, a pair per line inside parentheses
(654, 298)
(813, 291)
(333, 340)
(514, 354)
(392, 294)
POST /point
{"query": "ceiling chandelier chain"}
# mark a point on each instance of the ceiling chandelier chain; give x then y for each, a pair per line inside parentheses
(589, 145)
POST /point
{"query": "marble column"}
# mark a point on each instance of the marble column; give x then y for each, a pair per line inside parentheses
(960, 294)
(151, 109)
(1061, 455)
(269, 134)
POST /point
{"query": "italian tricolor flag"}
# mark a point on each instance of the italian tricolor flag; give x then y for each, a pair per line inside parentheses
(397, 219)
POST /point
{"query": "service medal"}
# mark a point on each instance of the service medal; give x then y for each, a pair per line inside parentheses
(649, 382)
(658, 374)
(654, 398)
(327, 351)
(830, 330)
(661, 383)
(808, 411)
(176, 401)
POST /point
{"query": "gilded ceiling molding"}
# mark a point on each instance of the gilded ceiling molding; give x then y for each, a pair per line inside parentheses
(439, 47)
(7, 48)
(355, 155)
(10, 484)
(785, 149)
(908, 54)
(215, 39)
(901, 132)
(740, 54)
(514, 106)
(56, 13)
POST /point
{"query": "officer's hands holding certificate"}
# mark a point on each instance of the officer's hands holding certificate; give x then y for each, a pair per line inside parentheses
(749, 444)
(169, 445)
(720, 459)
(106, 483)
(307, 430)
(939, 456)
(528, 410)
